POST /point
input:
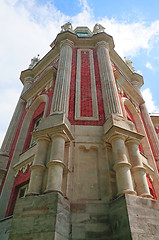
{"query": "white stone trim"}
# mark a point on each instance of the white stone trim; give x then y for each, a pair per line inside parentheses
(93, 88)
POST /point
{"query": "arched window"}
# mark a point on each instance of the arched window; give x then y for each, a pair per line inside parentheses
(37, 116)
(35, 128)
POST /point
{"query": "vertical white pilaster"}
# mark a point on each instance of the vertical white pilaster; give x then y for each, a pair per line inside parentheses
(109, 89)
(60, 100)
(154, 142)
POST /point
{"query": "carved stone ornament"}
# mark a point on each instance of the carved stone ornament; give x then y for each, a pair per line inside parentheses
(34, 61)
(24, 168)
(129, 63)
(67, 27)
(98, 28)
(120, 90)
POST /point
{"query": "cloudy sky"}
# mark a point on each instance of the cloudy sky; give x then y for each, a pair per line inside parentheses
(27, 28)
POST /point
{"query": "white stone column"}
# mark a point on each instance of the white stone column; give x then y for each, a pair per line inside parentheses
(152, 135)
(13, 126)
(109, 89)
(27, 84)
(122, 166)
(9, 137)
(138, 170)
(60, 100)
(56, 164)
(38, 167)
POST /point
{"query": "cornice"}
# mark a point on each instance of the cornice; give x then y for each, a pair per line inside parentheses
(128, 87)
(116, 131)
(39, 67)
(54, 125)
(48, 75)
(90, 41)
(118, 126)
(123, 66)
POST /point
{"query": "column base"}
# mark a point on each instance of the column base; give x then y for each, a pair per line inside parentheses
(32, 194)
(53, 190)
(146, 195)
(127, 191)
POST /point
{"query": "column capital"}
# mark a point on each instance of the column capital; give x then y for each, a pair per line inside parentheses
(60, 134)
(67, 42)
(42, 138)
(28, 79)
(138, 168)
(130, 141)
(37, 166)
(122, 164)
(55, 162)
(107, 145)
(102, 44)
(117, 136)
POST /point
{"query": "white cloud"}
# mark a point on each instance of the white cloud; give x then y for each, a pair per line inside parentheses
(149, 66)
(147, 95)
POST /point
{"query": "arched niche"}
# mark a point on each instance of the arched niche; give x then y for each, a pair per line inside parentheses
(9, 181)
(140, 128)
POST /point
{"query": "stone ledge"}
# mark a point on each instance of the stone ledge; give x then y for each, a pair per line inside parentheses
(55, 123)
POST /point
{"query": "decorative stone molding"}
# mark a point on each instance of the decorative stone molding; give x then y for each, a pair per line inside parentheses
(28, 80)
(128, 88)
(56, 124)
(39, 138)
(98, 28)
(34, 61)
(46, 77)
(66, 42)
(34, 102)
(88, 147)
(49, 87)
(67, 27)
(56, 162)
(117, 124)
(120, 90)
(23, 166)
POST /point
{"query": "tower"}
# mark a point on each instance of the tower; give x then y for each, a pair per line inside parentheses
(80, 157)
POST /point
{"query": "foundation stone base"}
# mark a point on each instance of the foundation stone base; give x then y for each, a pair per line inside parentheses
(51, 217)
(41, 217)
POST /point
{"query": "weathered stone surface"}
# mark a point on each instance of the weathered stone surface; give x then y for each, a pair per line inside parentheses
(5, 228)
(41, 217)
(143, 217)
(90, 221)
(119, 220)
